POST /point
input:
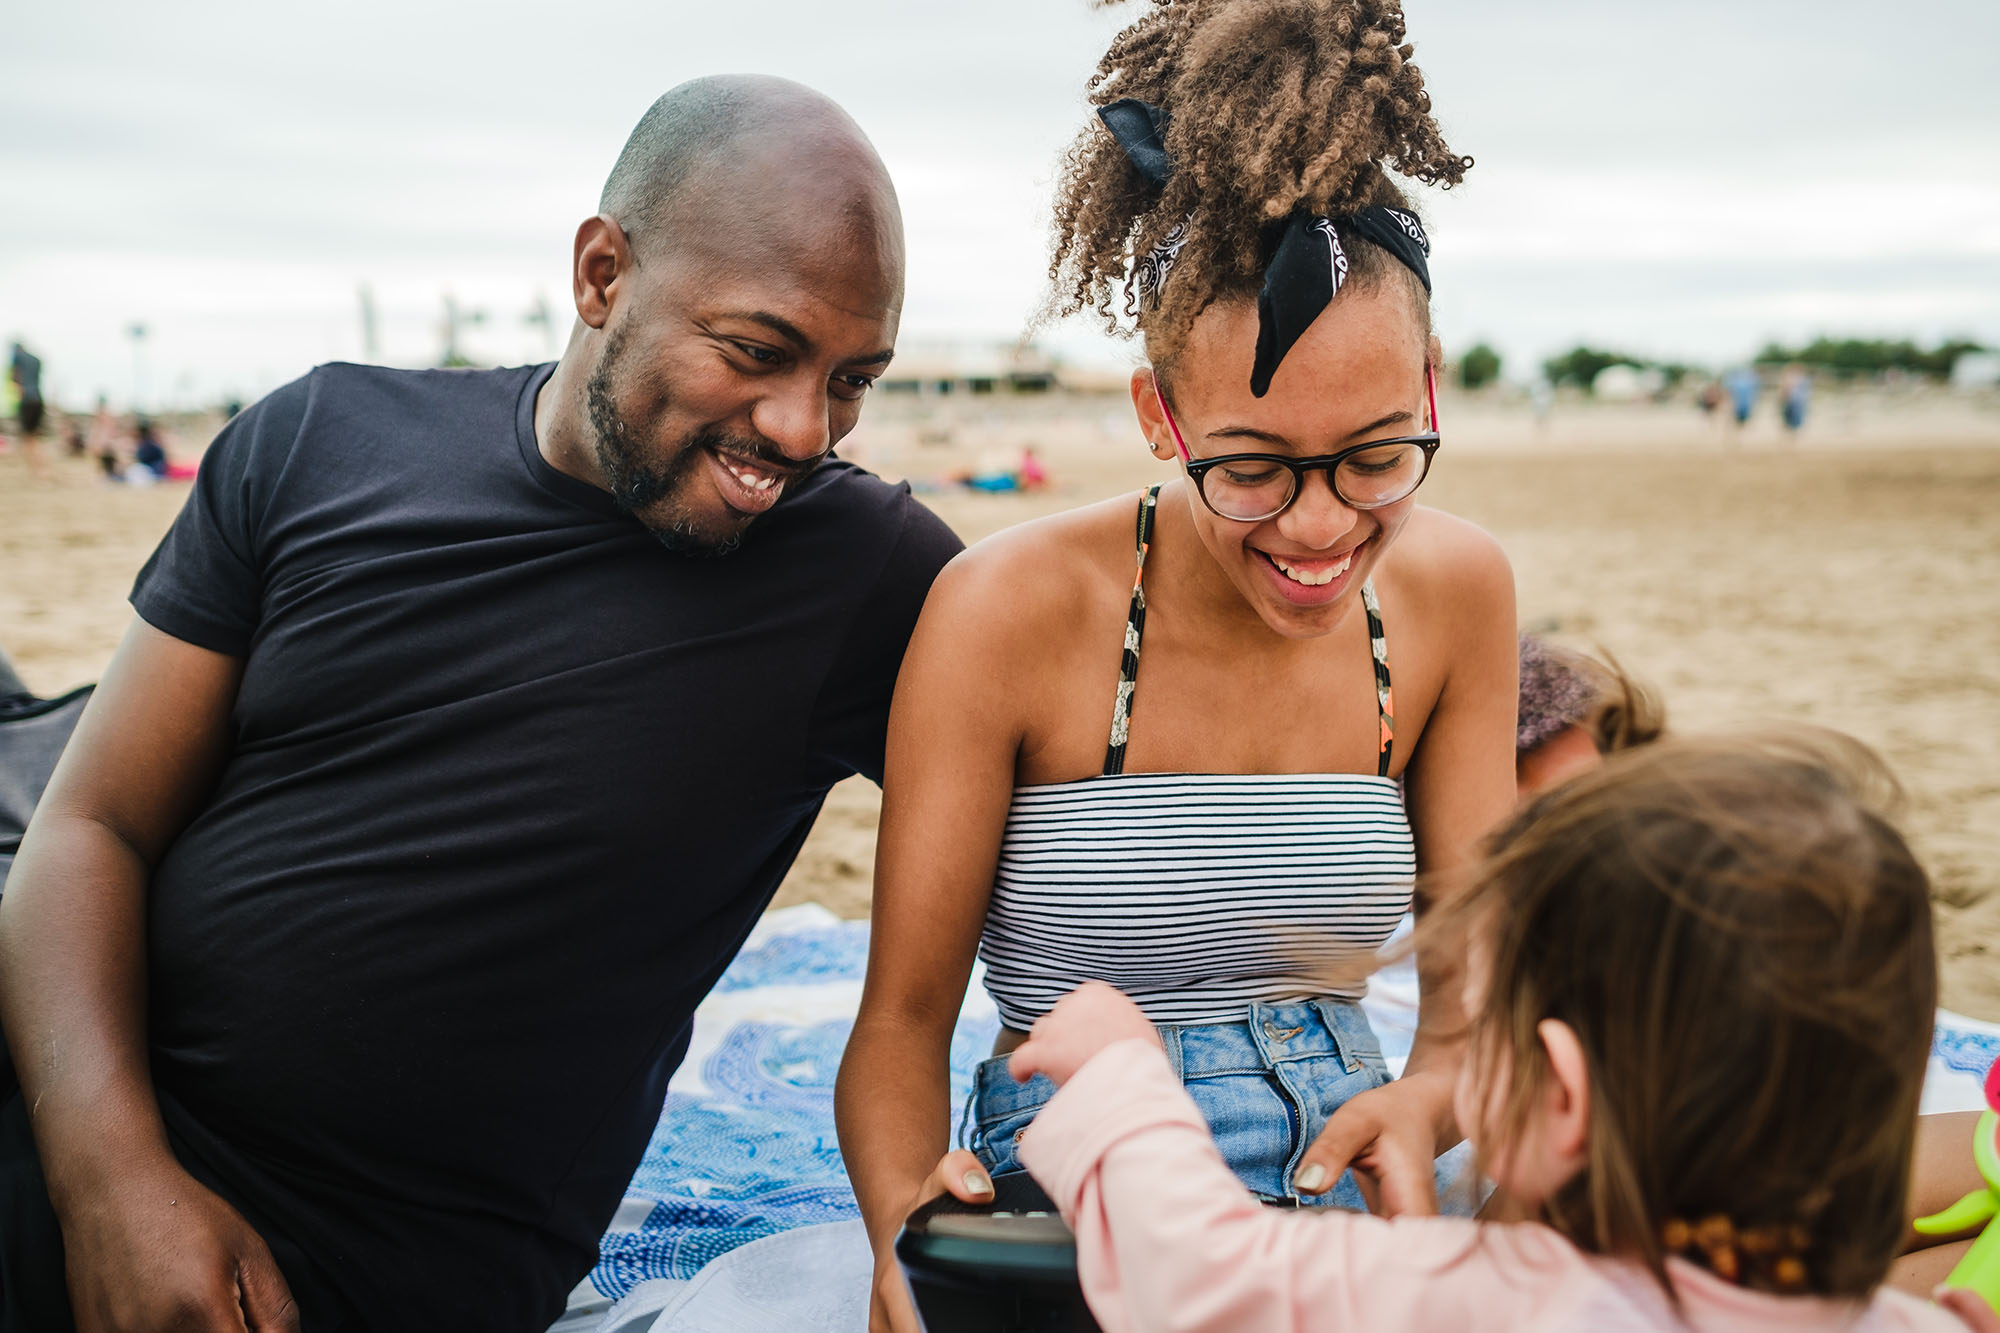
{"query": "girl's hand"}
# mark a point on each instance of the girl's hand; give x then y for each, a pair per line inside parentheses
(958, 1174)
(1083, 1023)
(1388, 1137)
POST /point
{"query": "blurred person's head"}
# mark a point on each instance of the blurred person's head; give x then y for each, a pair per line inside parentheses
(1277, 123)
(738, 291)
(1574, 710)
(1700, 989)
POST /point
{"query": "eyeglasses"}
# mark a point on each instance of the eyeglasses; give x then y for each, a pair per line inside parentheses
(1250, 488)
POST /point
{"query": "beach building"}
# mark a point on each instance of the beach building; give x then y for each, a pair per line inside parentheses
(939, 367)
(1976, 370)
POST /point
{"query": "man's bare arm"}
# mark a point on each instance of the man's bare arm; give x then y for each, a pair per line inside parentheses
(146, 1245)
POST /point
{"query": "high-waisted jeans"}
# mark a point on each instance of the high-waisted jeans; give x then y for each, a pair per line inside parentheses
(1265, 1085)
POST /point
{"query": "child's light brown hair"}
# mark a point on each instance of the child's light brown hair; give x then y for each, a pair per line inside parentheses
(1742, 943)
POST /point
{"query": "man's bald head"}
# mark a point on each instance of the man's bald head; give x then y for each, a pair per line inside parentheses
(737, 294)
(707, 144)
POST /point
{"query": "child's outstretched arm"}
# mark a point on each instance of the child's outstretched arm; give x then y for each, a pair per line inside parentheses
(1168, 1239)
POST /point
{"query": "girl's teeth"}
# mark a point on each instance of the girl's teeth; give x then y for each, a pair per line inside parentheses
(1310, 578)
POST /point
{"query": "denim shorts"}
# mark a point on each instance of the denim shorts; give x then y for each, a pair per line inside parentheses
(1265, 1085)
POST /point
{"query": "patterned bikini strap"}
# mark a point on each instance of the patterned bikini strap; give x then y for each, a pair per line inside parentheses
(1385, 696)
(1135, 629)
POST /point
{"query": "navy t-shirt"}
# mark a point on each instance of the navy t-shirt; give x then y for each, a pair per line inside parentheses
(509, 784)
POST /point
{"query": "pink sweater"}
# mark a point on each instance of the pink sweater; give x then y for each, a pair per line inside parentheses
(1167, 1239)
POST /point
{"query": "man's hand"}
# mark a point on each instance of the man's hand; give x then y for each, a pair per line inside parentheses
(1083, 1023)
(1388, 1136)
(162, 1252)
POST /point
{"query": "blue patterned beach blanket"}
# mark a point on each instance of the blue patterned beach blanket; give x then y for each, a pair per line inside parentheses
(745, 1146)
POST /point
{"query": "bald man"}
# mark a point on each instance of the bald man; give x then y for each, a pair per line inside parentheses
(468, 722)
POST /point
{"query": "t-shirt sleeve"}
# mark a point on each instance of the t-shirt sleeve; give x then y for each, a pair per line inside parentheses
(204, 582)
(853, 718)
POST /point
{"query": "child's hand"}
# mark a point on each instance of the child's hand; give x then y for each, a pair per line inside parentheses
(1083, 1023)
(1969, 1306)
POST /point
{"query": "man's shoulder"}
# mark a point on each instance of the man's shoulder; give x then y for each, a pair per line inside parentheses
(353, 384)
(848, 488)
(847, 503)
(340, 392)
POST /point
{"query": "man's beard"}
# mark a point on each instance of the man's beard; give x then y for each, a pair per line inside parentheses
(653, 492)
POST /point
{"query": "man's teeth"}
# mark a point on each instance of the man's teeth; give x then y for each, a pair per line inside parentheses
(756, 481)
(1314, 578)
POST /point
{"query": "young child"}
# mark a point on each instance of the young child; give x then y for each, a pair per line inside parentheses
(1699, 993)
(1574, 710)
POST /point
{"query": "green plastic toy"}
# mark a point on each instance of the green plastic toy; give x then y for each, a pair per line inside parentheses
(1980, 1269)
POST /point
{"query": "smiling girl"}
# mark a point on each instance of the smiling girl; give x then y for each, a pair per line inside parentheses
(1200, 741)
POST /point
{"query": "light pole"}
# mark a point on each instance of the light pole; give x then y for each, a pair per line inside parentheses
(137, 333)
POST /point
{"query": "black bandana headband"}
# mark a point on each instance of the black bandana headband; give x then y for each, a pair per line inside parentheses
(1306, 270)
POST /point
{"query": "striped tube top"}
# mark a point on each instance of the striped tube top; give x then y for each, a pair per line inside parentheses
(1196, 894)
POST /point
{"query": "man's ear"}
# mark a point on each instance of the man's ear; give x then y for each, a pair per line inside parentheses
(1152, 422)
(603, 260)
(1568, 1108)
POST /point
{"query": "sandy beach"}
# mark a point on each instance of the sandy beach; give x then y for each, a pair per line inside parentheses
(1849, 578)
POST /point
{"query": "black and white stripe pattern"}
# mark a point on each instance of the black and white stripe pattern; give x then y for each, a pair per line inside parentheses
(1195, 894)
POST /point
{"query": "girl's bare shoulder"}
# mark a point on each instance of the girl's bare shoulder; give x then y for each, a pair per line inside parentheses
(1038, 576)
(1448, 563)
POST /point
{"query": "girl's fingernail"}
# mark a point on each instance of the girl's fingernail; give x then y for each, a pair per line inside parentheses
(977, 1183)
(1312, 1179)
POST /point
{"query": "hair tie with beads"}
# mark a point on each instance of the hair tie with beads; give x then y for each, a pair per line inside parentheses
(1771, 1256)
(1306, 270)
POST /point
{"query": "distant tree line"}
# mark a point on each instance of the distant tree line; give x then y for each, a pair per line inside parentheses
(1846, 358)
(1479, 367)
(1580, 366)
(1855, 358)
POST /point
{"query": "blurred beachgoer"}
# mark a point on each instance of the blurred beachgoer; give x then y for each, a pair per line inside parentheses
(104, 430)
(1541, 400)
(993, 477)
(1243, 815)
(448, 764)
(1710, 399)
(991, 473)
(1575, 710)
(1701, 987)
(148, 453)
(1743, 386)
(1030, 472)
(30, 411)
(1795, 395)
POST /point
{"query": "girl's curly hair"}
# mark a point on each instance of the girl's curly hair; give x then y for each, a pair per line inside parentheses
(1272, 106)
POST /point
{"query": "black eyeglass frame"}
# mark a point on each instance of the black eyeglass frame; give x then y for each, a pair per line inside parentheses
(1197, 468)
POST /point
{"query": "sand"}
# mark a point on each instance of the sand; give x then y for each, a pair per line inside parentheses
(1850, 578)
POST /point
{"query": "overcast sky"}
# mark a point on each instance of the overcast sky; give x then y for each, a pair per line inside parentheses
(1683, 180)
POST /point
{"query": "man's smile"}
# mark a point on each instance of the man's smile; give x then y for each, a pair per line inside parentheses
(746, 485)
